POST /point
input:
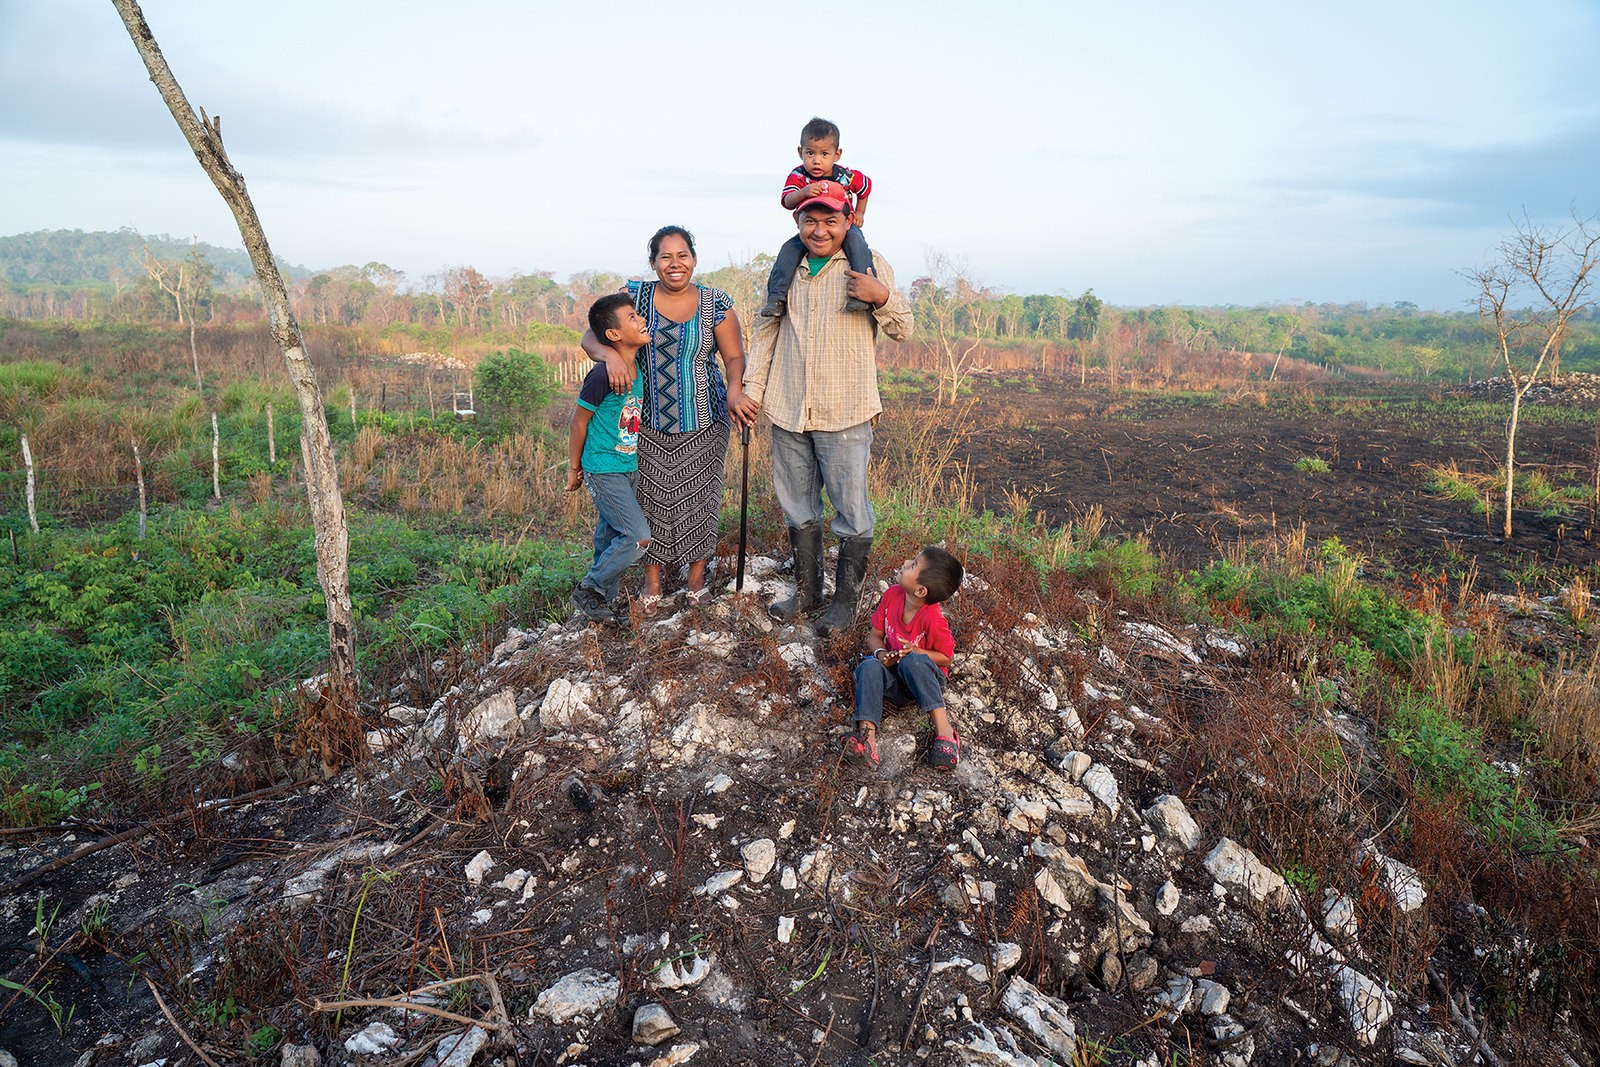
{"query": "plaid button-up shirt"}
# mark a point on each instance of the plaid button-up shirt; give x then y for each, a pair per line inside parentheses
(815, 368)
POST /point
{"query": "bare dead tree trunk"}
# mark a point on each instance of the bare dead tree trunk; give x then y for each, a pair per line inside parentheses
(216, 458)
(138, 475)
(272, 439)
(27, 459)
(194, 354)
(1529, 293)
(334, 729)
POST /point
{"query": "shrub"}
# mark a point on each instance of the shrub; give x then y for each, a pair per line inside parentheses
(516, 386)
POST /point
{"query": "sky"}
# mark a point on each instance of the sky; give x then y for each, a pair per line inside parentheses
(1234, 152)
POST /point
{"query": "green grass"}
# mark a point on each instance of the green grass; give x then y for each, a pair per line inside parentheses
(108, 642)
(1312, 465)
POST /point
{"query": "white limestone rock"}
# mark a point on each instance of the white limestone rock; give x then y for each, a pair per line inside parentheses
(1365, 1004)
(1173, 822)
(479, 866)
(721, 882)
(1339, 915)
(1175, 998)
(1103, 784)
(1168, 897)
(579, 995)
(653, 1024)
(492, 719)
(565, 703)
(683, 974)
(459, 1050)
(292, 1056)
(1214, 997)
(797, 655)
(677, 1054)
(1027, 815)
(1403, 884)
(1236, 867)
(1160, 640)
(375, 1040)
(984, 1047)
(1043, 1016)
(759, 856)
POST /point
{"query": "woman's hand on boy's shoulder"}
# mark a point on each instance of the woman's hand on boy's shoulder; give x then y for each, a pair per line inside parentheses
(619, 371)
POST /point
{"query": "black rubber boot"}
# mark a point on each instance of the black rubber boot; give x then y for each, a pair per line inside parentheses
(807, 542)
(853, 552)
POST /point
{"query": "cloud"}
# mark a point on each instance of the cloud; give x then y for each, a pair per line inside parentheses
(1549, 176)
(98, 95)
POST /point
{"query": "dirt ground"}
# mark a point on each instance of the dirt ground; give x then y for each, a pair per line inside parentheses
(1195, 475)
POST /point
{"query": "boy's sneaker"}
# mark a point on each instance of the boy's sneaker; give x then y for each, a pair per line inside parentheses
(945, 752)
(854, 304)
(591, 604)
(859, 746)
(774, 309)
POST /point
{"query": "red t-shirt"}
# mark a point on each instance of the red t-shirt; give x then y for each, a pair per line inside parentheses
(857, 185)
(927, 632)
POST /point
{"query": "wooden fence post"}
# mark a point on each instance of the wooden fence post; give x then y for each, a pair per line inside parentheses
(352, 406)
(138, 474)
(216, 458)
(272, 439)
(27, 458)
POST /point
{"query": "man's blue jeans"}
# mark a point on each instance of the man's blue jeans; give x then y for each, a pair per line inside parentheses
(803, 464)
(619, 530)
(914, 678)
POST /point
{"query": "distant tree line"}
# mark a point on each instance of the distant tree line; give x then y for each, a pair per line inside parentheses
(123, 277)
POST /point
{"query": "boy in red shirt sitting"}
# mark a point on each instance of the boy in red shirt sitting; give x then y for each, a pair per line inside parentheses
(908, 658)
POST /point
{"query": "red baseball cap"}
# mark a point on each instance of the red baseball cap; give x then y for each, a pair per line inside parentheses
(834, 197)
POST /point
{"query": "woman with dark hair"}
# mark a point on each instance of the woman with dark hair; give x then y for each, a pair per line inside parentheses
(688, 403)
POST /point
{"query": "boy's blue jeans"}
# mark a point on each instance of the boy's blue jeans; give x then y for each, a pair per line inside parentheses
(794, 250)
(914, 678)
(618, 531)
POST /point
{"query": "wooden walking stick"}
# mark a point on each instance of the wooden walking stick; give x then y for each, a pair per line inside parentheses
(744, 504)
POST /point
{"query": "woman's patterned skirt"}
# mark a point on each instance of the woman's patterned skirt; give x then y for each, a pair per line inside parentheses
(680, 490)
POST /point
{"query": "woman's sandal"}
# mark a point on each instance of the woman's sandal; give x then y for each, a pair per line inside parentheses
(859, 746)
(698, 598)
(649, 604)
(945, 752)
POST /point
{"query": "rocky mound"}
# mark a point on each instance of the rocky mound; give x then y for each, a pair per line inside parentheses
(615, 847)
(1576, 389)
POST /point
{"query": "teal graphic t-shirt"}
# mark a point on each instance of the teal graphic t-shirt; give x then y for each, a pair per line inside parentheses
(612, 443)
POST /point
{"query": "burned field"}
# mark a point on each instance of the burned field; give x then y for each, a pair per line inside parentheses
(1197, 474)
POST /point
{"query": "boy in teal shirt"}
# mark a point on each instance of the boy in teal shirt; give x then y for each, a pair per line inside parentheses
(603, 453)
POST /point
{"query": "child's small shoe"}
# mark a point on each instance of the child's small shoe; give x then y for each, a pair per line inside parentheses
(853, 304)
(945, 752)
(591, 604)
(774, 309)
(860, 746)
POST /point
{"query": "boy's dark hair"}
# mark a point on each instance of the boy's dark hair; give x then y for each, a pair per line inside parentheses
(941, 573)
(603, 315)
(669, 231)
(819, 130)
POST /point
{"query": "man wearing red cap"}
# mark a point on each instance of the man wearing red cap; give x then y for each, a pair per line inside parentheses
(814, 371)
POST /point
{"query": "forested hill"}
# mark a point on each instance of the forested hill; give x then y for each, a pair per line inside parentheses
(74, 258)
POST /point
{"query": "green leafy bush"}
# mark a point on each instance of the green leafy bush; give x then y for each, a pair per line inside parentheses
(515, 386)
